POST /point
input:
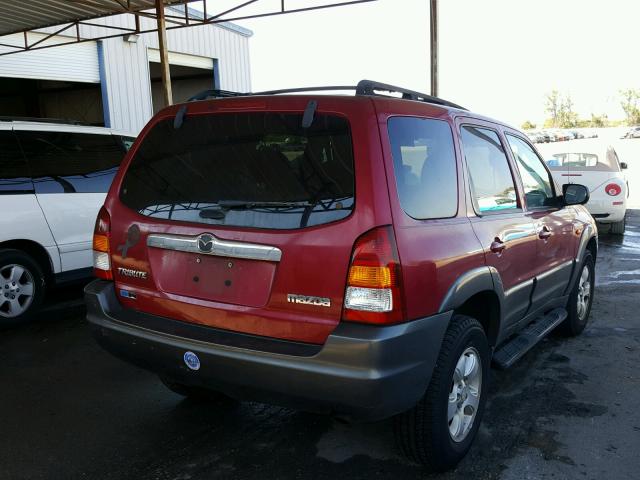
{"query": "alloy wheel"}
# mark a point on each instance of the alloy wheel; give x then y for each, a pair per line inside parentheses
(17, 288)
(464, 397)
(584, 293)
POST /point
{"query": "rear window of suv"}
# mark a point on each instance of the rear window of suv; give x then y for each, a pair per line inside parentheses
(249, 169)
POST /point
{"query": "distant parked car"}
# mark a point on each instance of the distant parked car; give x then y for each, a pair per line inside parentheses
(536, 137)
(633, 132)
(600, 170)
(53, 180)
(588, 134)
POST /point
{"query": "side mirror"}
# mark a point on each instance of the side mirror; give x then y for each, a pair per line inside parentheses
(623, 165)
(575, 194)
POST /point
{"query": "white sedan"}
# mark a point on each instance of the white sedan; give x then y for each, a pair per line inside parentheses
(599, 169)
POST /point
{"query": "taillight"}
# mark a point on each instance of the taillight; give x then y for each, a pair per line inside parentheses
(373, 293)
(613, 189)
(101, 248)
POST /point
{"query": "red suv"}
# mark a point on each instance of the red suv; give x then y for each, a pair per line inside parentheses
(362, 255)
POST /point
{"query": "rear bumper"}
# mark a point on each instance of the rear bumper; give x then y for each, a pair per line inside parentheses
(605, 212)
(362, 372)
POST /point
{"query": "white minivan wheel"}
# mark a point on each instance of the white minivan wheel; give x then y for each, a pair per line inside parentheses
(21, 287)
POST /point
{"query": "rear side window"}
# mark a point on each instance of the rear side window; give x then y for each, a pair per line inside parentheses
(424, 163)
(14, 177)
(491, 180)
(70, 162)
(250, 169)
(576, 160)
(585, 161)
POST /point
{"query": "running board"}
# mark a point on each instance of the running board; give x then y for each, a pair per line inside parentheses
(514, 349)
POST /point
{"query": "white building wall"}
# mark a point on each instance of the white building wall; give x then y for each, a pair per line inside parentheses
(125, 65)
(78, 63)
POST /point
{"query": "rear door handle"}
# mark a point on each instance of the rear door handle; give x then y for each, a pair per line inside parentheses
(544, 233)
(497, 246)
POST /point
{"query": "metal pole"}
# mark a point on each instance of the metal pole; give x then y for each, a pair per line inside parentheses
(433, 14)
(164, 54)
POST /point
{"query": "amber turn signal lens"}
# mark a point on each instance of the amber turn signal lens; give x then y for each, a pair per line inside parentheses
(370, 277)
(101, 243)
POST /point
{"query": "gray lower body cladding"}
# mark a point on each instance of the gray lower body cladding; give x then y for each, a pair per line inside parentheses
(361, 373)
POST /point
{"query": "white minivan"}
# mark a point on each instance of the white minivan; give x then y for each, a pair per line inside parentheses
(597, 167)
(53, 180)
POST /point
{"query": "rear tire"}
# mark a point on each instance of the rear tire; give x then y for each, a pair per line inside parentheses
(580, 299)
(618, 228)
(197, 393)
(440, 429)
(22, 287)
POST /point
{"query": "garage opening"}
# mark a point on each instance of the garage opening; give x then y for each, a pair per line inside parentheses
(186, 81)
(77, 101)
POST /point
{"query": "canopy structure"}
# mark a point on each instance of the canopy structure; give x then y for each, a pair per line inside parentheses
(72, 19)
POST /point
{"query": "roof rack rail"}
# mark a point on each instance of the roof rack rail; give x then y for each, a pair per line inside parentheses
(307, 89)
(66, 121)
(215, 94)
(369, 87)
(364, 88)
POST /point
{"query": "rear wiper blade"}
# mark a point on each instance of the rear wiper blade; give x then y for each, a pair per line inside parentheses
(219, 210)
(242, 204)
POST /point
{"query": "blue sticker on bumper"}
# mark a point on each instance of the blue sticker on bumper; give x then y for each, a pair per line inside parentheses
(191, 360)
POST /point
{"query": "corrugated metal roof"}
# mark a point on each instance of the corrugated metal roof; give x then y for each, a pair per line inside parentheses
(19, 15)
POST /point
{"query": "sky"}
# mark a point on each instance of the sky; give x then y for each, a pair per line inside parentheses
(497, 57)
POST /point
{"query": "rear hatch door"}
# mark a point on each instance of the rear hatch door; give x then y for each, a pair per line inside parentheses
(244, 219)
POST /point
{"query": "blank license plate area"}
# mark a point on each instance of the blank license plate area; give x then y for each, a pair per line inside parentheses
(218, 279)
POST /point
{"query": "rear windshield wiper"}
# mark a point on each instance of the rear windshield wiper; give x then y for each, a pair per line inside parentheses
(218, 210)
(244, 204)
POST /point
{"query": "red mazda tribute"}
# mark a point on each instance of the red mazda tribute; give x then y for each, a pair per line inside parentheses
(366, 256)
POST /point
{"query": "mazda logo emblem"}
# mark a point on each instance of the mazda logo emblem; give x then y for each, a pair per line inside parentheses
(205, 243)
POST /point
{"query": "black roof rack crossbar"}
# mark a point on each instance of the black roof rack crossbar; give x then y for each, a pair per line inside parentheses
(364, 88)
(369, 87)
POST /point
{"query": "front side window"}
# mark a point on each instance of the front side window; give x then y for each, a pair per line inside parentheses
(71, 162)
(14, 176)
(492, 185)
(537, 184)
(424, 162)
(249, 169)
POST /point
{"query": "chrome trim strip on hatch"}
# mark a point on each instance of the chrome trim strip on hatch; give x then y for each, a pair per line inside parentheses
(208, 244)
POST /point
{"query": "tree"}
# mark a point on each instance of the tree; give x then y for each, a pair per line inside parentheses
(599, 120)
(567, 118)
(560, 109)
(552, 106)
(629, 102)
(528, 125)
